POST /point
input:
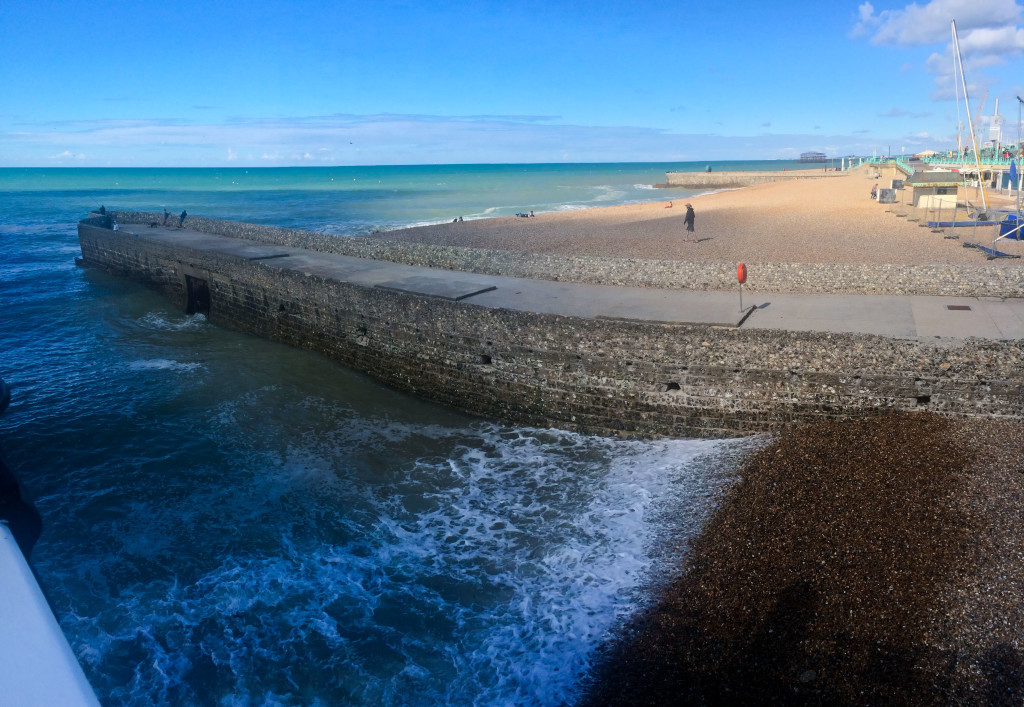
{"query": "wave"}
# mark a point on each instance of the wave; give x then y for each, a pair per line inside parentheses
(163, 364)
(161, 321)
(487, 571)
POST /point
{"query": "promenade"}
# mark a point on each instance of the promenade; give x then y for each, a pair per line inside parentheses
(896, 316)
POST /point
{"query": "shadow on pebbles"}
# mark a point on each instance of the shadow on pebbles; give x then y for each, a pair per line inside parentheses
(869, 561)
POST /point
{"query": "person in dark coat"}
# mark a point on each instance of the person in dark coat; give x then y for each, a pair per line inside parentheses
(688, 220)
(181, 219)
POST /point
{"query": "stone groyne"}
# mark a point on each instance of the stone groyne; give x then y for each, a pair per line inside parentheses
(598, 376)
(735, 180)
(827, 278)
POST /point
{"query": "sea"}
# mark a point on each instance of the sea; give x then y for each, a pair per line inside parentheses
(231, 521)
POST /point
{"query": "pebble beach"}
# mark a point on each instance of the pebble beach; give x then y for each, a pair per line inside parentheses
(876, 561)
(868, 562)
(830, 219)
(820, 234)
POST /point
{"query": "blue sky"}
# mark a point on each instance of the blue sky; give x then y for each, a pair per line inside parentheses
(273, 83)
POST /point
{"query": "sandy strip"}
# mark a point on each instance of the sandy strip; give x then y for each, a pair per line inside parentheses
(801, 221)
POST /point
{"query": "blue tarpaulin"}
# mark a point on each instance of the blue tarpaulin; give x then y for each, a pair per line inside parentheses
(1010, 228)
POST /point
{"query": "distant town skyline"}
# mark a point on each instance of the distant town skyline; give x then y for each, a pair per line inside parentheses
(275, 83)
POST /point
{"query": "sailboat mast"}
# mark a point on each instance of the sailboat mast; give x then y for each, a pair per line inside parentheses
(967, 104)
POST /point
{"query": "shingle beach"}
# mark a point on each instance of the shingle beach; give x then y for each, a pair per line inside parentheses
(876, 561)
(871, 562)
(830, 219)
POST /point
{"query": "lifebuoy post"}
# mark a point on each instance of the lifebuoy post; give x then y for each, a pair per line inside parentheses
(741, 275)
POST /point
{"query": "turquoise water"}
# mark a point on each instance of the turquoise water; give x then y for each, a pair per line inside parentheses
(358, 200)
(231, 521)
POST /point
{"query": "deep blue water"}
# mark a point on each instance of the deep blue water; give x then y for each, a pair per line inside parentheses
(231, 521)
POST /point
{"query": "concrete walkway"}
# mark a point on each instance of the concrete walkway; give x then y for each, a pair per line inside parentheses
(887, 315)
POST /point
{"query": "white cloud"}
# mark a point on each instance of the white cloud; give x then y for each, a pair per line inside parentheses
(987, 34)
(866, 12)
(68, 155)
(916, 24)
(387, 139)
(992, 41)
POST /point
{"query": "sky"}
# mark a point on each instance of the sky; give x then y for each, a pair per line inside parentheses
(183, 83)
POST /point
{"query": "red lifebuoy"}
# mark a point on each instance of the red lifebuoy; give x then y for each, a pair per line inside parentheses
(741, 273)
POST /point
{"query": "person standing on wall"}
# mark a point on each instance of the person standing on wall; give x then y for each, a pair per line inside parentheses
(688, 220)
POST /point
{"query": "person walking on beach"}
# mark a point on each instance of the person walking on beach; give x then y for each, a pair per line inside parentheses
(688, 220)
(181, 219)
(167, 215)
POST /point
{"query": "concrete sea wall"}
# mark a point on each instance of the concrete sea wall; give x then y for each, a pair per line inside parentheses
(608, 377)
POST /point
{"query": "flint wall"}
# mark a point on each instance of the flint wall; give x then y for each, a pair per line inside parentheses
(951, 280)
(619, 378)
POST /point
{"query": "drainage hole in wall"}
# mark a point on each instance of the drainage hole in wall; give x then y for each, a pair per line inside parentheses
(671, 386)
(924, 399)
(485, 360)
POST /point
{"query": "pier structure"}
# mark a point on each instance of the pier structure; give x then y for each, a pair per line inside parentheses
(630, 361)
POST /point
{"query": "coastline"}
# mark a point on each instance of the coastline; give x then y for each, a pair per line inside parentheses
(791, 221)
(875, 560)
(934, 455)
(795, 236)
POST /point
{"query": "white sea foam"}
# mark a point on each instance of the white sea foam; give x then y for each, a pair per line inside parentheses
(607, 193)
(163, 322)
(486, 574)
(163, 364)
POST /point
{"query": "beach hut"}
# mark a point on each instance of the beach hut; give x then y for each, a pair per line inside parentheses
(934, 189)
